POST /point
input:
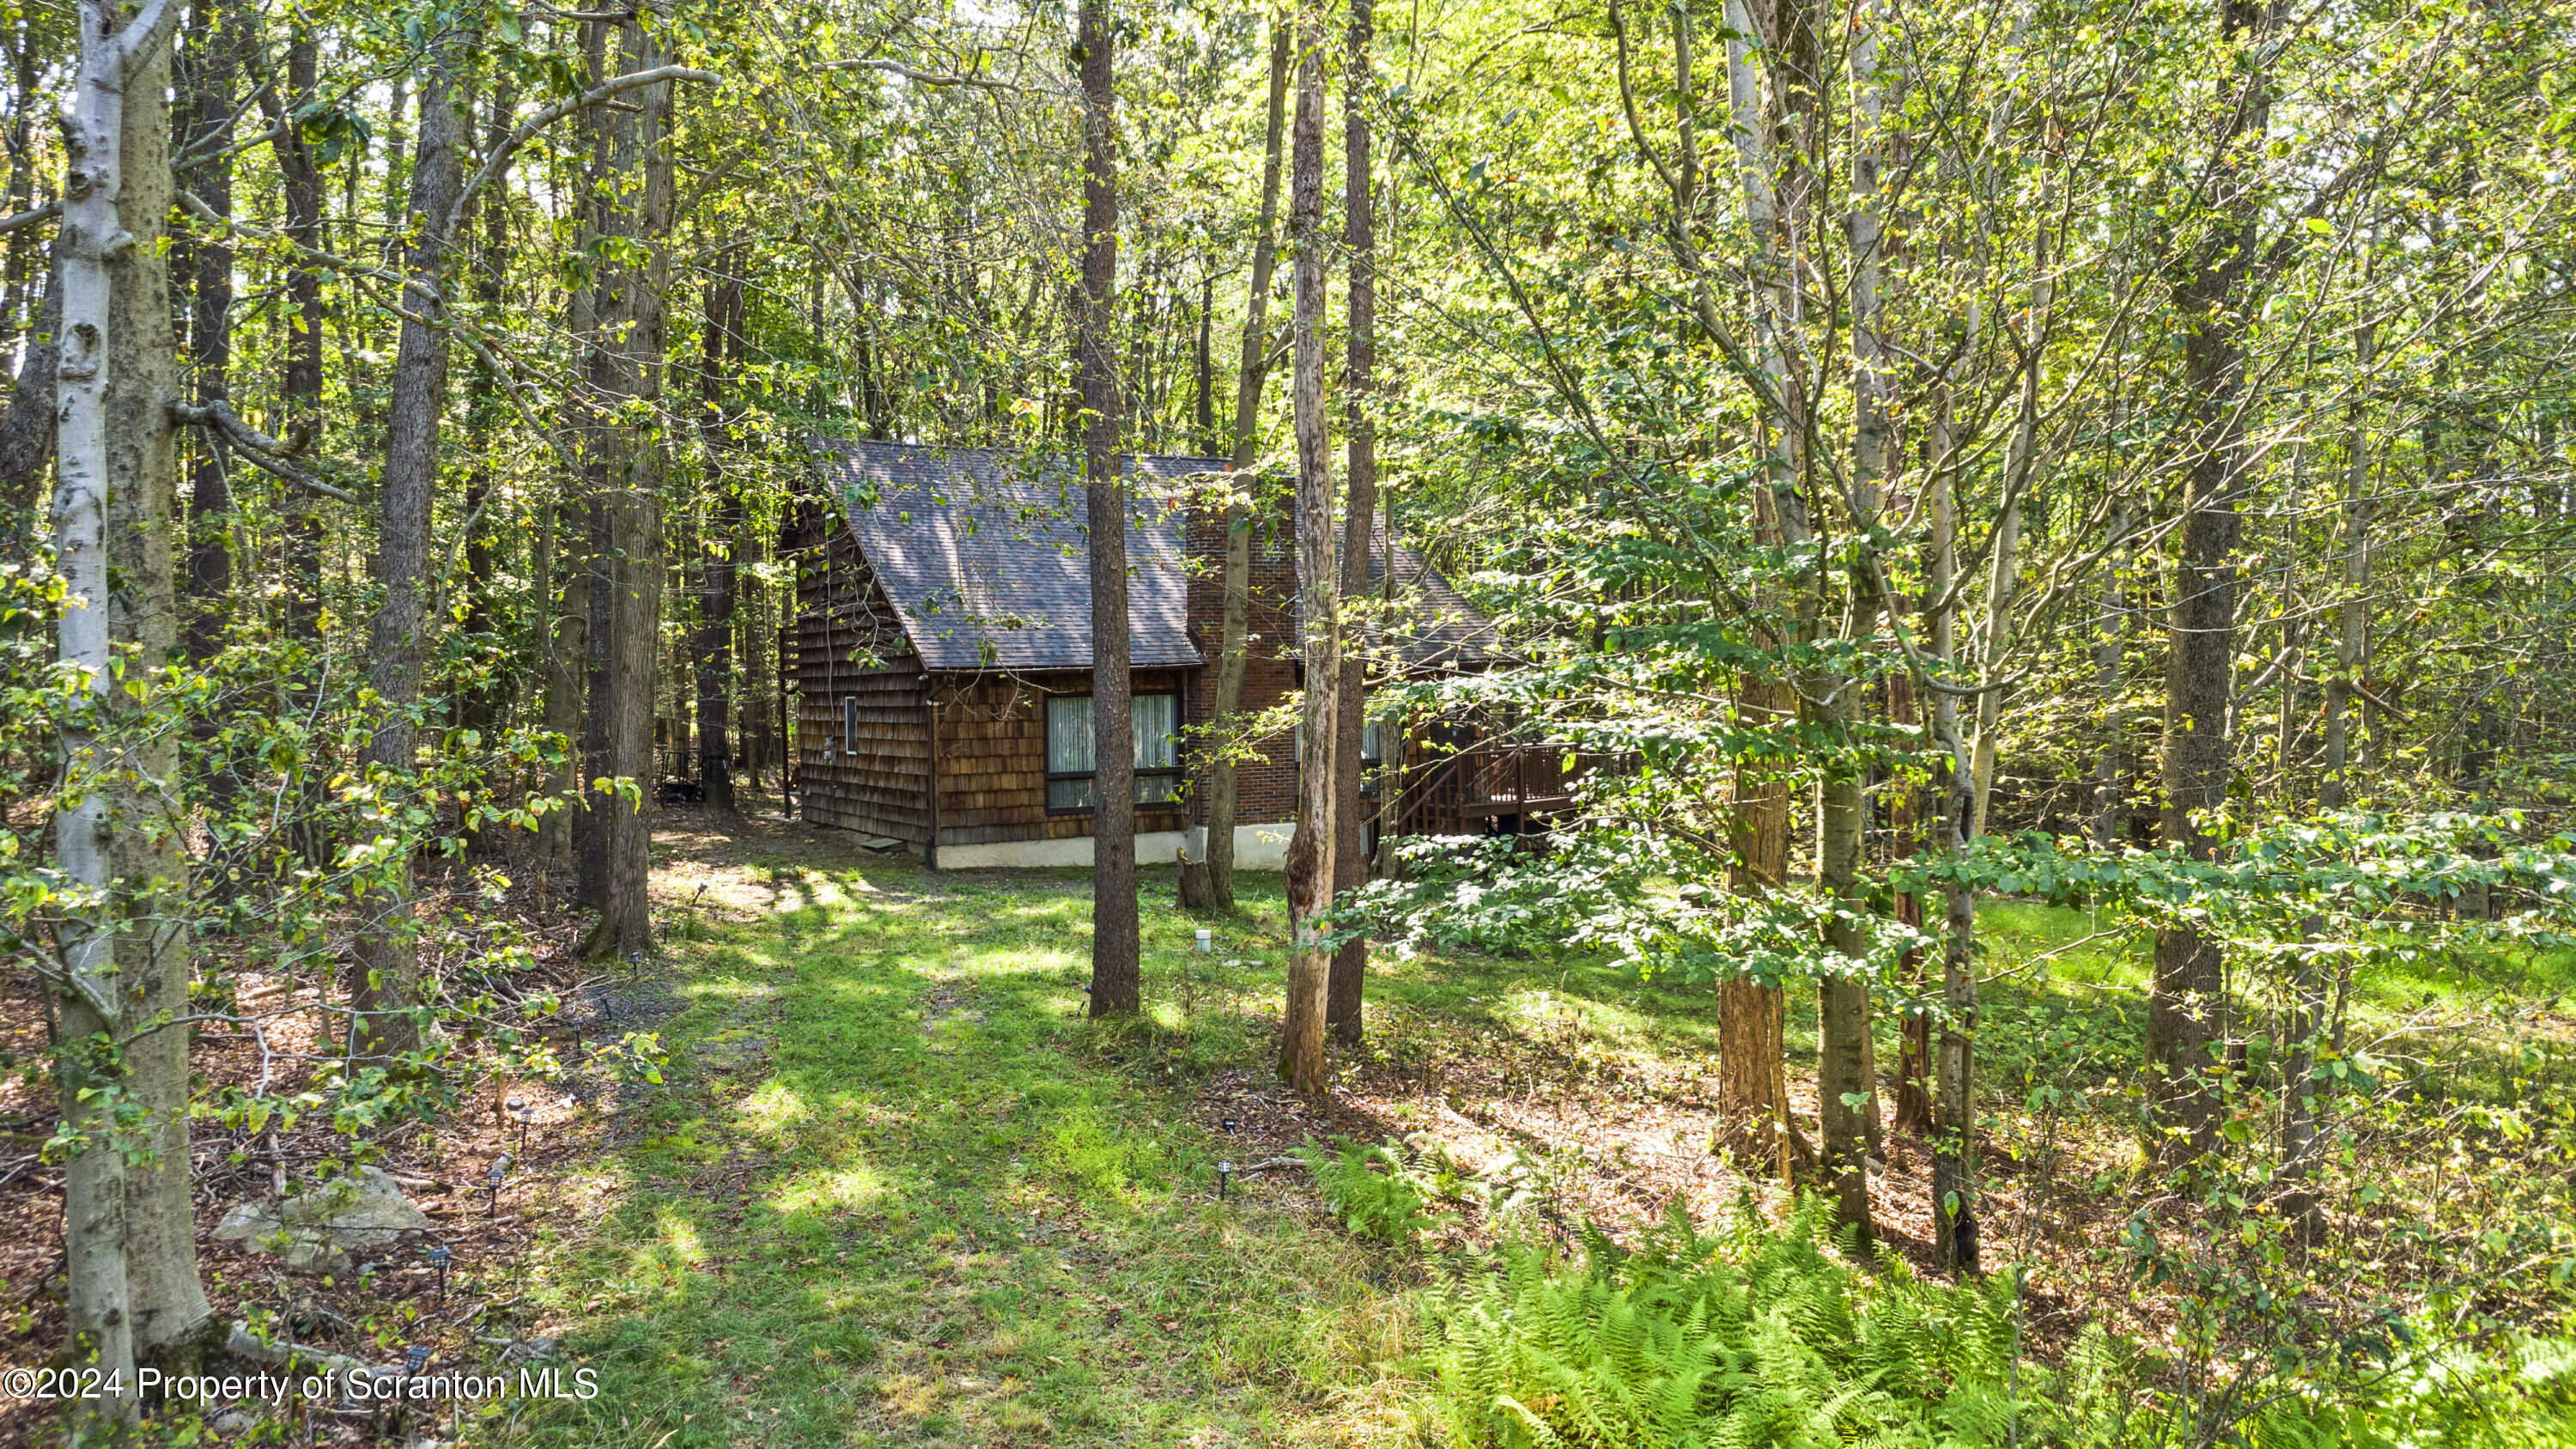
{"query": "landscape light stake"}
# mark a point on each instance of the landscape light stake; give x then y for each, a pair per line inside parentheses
(1224, 1177)
(1207, 940)
(492, 1180)
(439, 1258)
(415, 1358)
(526, 1114)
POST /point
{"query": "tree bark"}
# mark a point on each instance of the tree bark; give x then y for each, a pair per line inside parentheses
(1954, 1090)
(641, 161)
(1311, 849)
(1237, 582)
(1846, 1074)
(718, 566)
(2352, 615)
(206, 124)
(27, 432)
(2110, 812)
(384, 987)
(566, 677)
(300, 387)
(1345, 995)
(478, 694)
(129, 1240)
(1906, 824)
(1752, 1016)
(1115, 986)
(2187, 997)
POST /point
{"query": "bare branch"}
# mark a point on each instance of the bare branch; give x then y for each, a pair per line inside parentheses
(499, 160)
(259, 448)
(46, 212)
(928, 78)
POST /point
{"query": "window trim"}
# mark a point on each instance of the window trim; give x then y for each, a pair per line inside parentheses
(1178, 773)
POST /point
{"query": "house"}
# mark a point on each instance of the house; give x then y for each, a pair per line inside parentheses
(942, 658)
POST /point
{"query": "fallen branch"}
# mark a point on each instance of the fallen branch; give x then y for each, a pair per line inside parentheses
(1275, 1164)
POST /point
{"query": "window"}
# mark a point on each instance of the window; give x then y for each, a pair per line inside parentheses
(1370, 758)
(1071, 759)
(849, 724)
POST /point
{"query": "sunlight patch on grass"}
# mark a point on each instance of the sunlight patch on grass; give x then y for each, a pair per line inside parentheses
(837, 1189)
(772, 1109)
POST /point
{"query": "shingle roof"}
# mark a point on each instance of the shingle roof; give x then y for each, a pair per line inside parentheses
(984, 553)
(1436, 626)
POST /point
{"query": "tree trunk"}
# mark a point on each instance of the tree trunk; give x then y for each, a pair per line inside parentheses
(1311, 849)
(717, 567)
(1954, 1090)
(300, 388)
(1344, 997)
(1203, 365)
(2352, 615)
(1906, 824)
(27, 433)
(384, 986)
(478, 707)
(566, 673)
(129, 1240)
(640, 162)
(1115, 986)
(2185, 1003)
(2110, 814)
(1752, 1016)
(206, 125)
(1237, 583)
(1846, 1075)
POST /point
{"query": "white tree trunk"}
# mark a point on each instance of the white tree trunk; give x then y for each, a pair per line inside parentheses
(114, 507)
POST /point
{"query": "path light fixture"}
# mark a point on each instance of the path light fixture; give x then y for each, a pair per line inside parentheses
(1224, 1178)
(527, 1116)
(439, 1258)
(415, 1358)
(1230, 1125)
(492, 1180)
(1207, 940)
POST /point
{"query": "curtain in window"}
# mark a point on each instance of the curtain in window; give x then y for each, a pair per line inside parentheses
(1069, 736)
(1157, 718)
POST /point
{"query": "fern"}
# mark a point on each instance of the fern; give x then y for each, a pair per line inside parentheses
(1766, 1338)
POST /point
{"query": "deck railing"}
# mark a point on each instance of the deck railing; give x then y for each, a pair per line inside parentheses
(1490, 787)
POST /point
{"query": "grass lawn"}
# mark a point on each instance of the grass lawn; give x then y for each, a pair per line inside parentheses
(899, 1189)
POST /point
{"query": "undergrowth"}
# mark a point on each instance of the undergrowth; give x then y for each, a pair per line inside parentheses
(1765, 1335)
